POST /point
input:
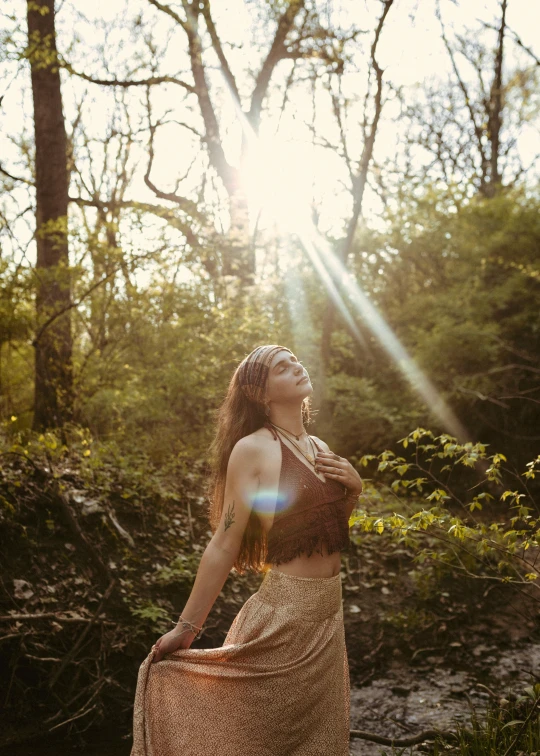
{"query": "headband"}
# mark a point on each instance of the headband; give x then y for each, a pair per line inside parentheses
(253, 371)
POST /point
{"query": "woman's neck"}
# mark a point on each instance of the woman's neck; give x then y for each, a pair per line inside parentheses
(289, 418)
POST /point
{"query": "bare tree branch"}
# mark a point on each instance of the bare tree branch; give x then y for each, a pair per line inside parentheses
(276, 53)
(476, 127)
(187, 205)
(227, 173)
(169, 12)
(216, 44)
(125, 84)
(516, 39)
(15, 178)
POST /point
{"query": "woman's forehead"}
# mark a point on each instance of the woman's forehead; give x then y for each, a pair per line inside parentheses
(283, 354)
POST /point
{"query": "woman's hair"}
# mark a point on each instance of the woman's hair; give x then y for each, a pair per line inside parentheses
(238, 416)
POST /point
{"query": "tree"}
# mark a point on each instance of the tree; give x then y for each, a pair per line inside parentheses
(486, 115)
(297, 34)
(52, 342)
(358, 178)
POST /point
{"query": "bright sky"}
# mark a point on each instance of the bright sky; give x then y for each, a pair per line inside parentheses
(291, 169)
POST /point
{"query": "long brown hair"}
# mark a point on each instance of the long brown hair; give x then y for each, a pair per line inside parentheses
(236, 417)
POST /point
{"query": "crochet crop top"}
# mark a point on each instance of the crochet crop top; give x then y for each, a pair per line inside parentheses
(309, 512)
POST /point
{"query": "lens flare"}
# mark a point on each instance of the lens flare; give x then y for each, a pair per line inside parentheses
(268, 501)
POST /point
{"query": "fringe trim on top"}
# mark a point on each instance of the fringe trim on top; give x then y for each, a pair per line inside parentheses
(285, 550)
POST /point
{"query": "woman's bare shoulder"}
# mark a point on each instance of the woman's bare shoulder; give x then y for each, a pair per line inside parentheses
(255, 442)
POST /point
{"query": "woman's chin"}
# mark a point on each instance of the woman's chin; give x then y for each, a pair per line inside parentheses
(306, 389)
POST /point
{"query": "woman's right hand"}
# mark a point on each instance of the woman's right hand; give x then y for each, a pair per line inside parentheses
(170, 642)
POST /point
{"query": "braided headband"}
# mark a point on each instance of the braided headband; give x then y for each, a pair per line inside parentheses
(253, 371)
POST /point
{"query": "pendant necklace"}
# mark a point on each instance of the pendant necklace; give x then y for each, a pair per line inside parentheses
(310, 457)
(287, 431)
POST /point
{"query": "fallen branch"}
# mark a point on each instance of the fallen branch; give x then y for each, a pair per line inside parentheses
(42, 658)
(413, 740)
(77, 716)
(51, 615)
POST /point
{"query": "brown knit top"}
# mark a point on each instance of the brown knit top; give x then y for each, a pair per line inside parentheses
(309, 512)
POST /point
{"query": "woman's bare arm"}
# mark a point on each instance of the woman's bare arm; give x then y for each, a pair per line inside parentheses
(241, 485)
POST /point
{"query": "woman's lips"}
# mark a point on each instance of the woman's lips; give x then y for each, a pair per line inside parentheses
(305, 378)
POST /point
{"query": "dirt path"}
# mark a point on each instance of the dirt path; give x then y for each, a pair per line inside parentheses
(409, 699)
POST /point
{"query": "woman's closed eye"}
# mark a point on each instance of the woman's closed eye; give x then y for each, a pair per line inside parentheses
(294, 365)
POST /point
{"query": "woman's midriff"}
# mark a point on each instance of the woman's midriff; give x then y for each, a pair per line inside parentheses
(323, 565)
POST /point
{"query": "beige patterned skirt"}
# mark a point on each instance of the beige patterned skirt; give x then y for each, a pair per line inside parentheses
(278, 686)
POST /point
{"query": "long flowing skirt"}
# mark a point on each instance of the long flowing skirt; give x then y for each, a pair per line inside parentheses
(278, 686)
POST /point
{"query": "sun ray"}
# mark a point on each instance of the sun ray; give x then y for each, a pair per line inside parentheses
(280, 198)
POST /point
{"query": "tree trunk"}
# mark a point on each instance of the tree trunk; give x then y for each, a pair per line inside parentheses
(239, 260)
(359, 185)
(53, 343)
(496, 105)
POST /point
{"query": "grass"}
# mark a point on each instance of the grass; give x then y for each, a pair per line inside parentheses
(509, 727)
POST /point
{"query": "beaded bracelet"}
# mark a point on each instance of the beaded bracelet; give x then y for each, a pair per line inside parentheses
(351, 495)
(190, 626)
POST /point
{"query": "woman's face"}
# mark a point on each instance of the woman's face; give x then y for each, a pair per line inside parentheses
(284, 378)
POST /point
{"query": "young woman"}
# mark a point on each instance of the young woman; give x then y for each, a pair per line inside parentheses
(280, 505)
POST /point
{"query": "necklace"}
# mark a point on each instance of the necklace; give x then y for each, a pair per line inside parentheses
(310, 457)
(287, 431)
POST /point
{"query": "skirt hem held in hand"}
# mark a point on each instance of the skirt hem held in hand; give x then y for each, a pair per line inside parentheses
(278, 686)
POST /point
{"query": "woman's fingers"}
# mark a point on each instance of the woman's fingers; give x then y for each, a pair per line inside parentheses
(331, 463)
(333, 472)
(156, 654)
(334, 466)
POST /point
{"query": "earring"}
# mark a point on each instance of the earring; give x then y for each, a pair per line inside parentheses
(266, 408)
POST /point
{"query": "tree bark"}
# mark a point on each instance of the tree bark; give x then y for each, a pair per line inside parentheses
(495, 109)
(53, 400)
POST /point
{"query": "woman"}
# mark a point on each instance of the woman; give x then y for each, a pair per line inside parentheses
(279, 685)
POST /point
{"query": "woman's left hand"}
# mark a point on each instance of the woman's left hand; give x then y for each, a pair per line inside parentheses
(340, 469)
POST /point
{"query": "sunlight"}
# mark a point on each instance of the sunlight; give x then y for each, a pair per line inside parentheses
(301, 321)
(392, 345)
(275, 177)
(275, 183)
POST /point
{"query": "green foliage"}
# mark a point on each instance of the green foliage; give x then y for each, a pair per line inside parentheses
(168, 373)
(181, 571)
(496, 550)
(460, 290)
(409, 620)
(157, 618)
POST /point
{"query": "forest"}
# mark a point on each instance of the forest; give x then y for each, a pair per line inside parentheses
(183, 181)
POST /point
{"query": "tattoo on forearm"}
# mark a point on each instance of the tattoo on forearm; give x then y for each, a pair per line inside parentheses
(229, 517)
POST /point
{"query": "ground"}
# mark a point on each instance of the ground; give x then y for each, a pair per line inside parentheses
(423, 647)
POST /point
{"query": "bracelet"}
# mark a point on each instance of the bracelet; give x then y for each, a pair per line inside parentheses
(190, 626)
